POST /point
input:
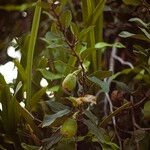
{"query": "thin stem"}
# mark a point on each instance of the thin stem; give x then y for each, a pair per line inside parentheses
(71, 46)
(32, 42)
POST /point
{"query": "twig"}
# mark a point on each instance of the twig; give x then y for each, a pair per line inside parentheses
(71, 46)
(108, 80)
(107, 98)
(122, 61)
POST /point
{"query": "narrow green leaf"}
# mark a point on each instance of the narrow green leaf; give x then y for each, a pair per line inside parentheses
(32, 42)
(99, 134)
(49, 15)
(18, 87)
(49, 142)
(145, 32)
(87, 52)
(102, 84)
(84, 32)
(132, 2)
(126, 34)
(96, 13)
(66, 18)
(102, 45)
(17, 7)
(91, 116)
(49, 119)
(49, 75)
(94, 129)
(106, 120)
(56, 106)
(21, 70)
(138, 20)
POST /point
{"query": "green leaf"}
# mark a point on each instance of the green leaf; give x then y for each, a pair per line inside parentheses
(21, 70)
(56, 106)
(146, 110)
(84, 32)
(121, 86)
(42, 62)
(145, 32)
(66, 66)
(29, 147)
(93, 129)
(18, 87)
(99, 134)
(101, 74)
(101, 45)
(118, 45)
(132, 2)
(66, 18)
(138, 20)
(36, 98)
(91, 116)
(54, 88)
(110, 146)
(87, 52)
(49, 15)
(74, 29)
(50, 36)
(31, 48)
(49, 75)
(102, 84)
(49, 119)
(96, 13)
(107, 119)
(17, 7)
(126, 34)
(49, 142)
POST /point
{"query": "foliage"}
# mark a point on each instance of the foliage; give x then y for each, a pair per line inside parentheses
(91, 101)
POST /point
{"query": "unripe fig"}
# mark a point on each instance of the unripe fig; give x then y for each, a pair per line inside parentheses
(69, 128)
(69, 82)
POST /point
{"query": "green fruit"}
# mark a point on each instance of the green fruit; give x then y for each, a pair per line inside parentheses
(69, 128)
(69, 82)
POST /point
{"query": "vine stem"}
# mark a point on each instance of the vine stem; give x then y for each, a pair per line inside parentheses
(32, 42)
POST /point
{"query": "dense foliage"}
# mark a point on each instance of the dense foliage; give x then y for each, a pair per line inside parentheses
(95, 56)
